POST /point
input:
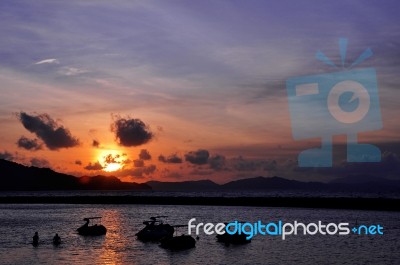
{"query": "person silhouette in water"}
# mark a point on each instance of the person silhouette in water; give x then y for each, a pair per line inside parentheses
(56, 239)
(36, 239)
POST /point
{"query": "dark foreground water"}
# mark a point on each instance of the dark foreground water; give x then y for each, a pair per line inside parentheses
(19, 222)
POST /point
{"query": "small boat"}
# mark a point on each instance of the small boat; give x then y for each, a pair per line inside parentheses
(155, 229)
(93, 230)
(181, 242)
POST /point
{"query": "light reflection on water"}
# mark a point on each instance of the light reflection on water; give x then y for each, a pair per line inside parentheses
(19, 222)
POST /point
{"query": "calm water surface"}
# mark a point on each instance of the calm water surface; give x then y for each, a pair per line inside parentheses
(19, 222)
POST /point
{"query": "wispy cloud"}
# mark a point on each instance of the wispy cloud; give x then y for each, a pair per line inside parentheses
(48, 61)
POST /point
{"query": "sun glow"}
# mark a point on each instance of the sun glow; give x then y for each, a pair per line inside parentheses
(111, 160)
(112, 167)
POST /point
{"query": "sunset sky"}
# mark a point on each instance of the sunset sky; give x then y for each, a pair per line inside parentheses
(183, 90)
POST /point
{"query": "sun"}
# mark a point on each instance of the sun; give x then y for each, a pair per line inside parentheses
(112, 167)
(111, 160)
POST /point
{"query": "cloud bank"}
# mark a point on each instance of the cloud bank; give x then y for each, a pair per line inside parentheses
(199, 157)
(172, 159)
(53, 135)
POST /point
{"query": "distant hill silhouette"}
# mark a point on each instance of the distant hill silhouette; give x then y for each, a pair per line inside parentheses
(109, 183)
(257, 183)
(277, 183)
(14, 176)
(199, 185)
(273, 183)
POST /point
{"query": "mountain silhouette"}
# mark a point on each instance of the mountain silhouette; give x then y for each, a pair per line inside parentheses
(257, 183)
(109, 183)
(198, 185)
(279, 184)
(17, 177)
(273, 183)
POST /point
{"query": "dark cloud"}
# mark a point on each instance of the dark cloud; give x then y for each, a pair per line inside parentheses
(149, 170)
(112, 159)
(162, 158)
(173, 159)
(242, 164)
(37, 162)
(78, 162)
(29, 144)
(116, 159)
(144, 155)
(199, 157)
(138, 163)
(141, 171)
(130, 132)
(217, 162)
(6, 156)
(94, 166)
(54, 136)
(95, 143)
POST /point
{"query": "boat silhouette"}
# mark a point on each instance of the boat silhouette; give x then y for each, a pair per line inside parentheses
(155, 229)
(92, 230)
(181, 242)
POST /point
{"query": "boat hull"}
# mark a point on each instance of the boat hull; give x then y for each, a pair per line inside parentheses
(155, 233)
(95, 230)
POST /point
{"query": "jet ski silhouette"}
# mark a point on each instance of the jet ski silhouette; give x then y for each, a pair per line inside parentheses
(181, 242)
(155, 229)
(93, 230)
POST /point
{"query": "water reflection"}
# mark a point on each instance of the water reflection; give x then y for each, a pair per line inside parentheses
(113, 240)
(119, 245)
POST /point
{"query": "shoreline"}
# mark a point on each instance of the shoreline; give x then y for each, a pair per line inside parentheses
(376, 204)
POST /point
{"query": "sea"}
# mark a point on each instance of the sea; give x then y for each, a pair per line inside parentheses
(19, 222)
